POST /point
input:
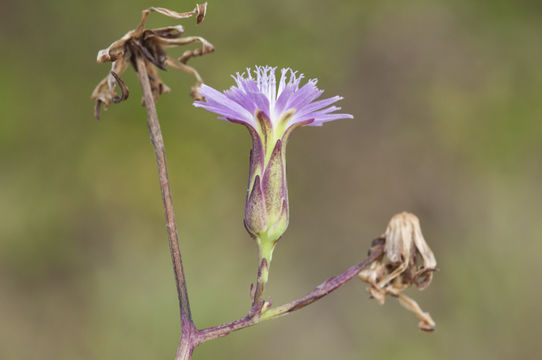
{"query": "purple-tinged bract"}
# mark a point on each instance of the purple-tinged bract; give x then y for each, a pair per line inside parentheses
(270, 110)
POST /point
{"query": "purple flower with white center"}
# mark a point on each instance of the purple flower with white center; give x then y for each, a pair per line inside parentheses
(270, 111)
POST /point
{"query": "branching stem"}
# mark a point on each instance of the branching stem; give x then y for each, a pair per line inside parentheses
(257, 314)
(190, 336)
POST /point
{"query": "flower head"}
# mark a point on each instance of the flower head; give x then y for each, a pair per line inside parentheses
(270, 108)
(407, 261)
(149, 44)
(284, 102)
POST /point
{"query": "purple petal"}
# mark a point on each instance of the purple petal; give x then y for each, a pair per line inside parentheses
(303, 96)
(283, 99)
(221, 104)
(256, 90)
(326, 118)
(316, 105)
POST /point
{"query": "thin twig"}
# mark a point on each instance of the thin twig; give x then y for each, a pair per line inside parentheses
(258, 314)
(186, 347)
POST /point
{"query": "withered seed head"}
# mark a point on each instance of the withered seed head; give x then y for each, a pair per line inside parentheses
(407, 260)
(149, 44)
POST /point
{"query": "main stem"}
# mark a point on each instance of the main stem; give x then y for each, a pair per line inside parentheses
(186, 347)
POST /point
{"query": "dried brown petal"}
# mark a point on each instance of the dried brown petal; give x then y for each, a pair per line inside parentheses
(157, 86)
(149, 52)
(123, 89)
(170, 32)
(426, 322)
(206, 47)
(405, 245)
(105, 93)
(201, 9)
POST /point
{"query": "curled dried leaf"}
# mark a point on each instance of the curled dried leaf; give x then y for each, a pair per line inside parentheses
(201, 10)
(105, 94)
(407, 261)
(123, 89)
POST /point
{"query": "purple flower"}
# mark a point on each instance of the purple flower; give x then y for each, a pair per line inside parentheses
(270, 111)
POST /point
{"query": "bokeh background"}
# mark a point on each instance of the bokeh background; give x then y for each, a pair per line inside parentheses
(447, 103)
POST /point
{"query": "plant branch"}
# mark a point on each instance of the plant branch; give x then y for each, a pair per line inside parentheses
(259, 313)
(186, 347)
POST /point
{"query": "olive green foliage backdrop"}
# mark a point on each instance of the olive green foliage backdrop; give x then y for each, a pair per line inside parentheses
(447, 103)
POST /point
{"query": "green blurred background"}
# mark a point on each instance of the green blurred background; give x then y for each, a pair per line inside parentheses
(447, 103)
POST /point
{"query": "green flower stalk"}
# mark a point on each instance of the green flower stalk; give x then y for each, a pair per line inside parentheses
(270, 113)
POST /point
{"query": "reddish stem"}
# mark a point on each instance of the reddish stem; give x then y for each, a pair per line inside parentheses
(256, 314)
(186, 347)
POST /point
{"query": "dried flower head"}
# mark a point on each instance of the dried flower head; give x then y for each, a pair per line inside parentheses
(271, 108)
(149, 44)
(407, 260)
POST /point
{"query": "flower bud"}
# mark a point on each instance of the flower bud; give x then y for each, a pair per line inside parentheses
(271, 108)
(266, 211)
